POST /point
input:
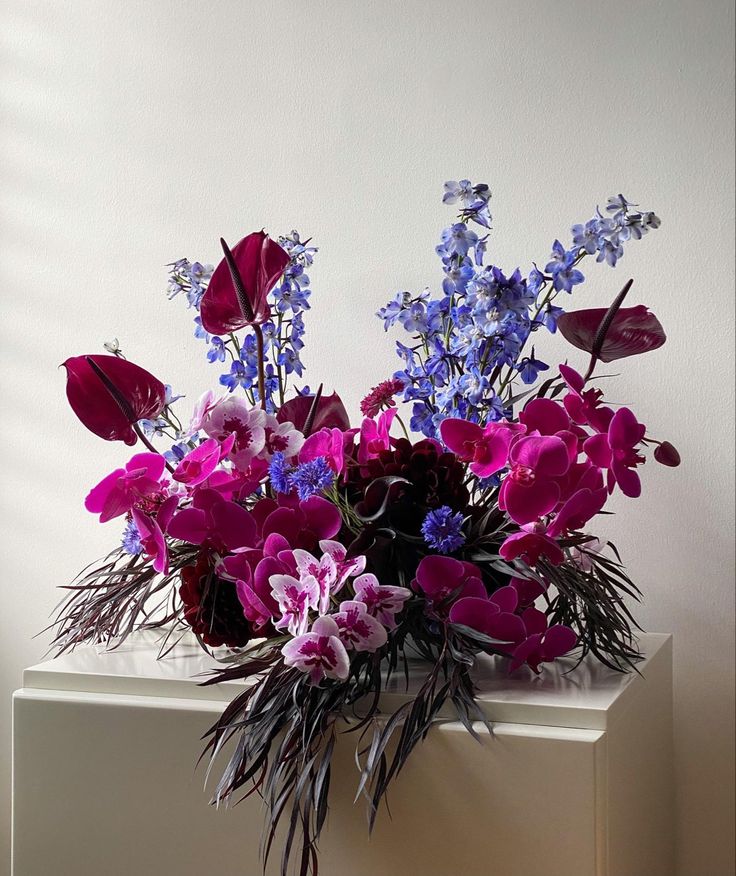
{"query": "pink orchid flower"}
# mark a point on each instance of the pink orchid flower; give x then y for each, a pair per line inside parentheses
(117, 493)
(197, 466)
(344, 568)
(541, 644)
(235, 416)
(546, 416)
(374, 435)
(493, 616)
(218, 522)
(529, 490)
(359, 630)
(151, 532)
(295, 596)
(319, 652)
(577, 511)
(324, 572)
(485, 448)
(616, 451)
(382, 601)
(280, 438)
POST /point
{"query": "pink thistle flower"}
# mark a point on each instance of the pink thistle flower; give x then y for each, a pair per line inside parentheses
(382, 601)
(117, 493)
(234, 416)
(381, 396)
(616, 451)
(295, 596)
(359, 630)
(319, 652)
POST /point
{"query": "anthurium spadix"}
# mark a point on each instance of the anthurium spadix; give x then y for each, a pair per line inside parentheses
(236, 295)
(633, 330)
(110, 395)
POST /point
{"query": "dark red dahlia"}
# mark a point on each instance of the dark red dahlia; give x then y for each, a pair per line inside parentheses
(380, 397)
(435, 477)
(211, 605)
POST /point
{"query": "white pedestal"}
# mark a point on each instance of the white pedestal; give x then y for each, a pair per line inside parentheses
(575, 782)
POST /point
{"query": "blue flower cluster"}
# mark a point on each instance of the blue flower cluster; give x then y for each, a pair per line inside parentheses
(443, 530)
(283, 335)
(468, 342)
(308, 478)
(131, 540)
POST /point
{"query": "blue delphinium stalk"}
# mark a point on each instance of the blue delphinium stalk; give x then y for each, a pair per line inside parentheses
(467, 344)
(443, 530)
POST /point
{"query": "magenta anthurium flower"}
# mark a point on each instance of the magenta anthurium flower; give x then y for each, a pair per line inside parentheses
(616, 451)
(529, 490)
(443, 578)
(150, 530)
(485, 448)
(374, 435)
(330, 413)
(633, 330)
(382, 601)
(295, 596)
(117, 493)
(233, 416)
(530, 547)
(200, 463)
(260, 262)
(319, 652)
(359, 630)
(110, 395)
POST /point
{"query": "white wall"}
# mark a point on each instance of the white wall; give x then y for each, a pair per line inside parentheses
(137, 132)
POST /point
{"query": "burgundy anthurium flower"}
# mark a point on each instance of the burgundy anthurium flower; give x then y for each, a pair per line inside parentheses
(260, 261)
(330, 413)
(110, 395)
(633, 330)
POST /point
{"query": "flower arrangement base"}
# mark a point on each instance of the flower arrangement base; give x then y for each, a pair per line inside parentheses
(576, 780)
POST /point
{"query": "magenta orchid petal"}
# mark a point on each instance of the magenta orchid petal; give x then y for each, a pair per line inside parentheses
(545, 455)
(530, 547)
(142, 395)
(528, 590)
(295, 596)
(627, 479)
(525, 504)
(359, 630)
(598, 450)
(254, 608)
(474, 612)
(199, 463)
(461, 436)
(152, 540)
(558, 640)
(382, 601)
(190, 525)
(577, 511)
(525, 652)
(545, 416)
(625, 431)
(120, 490)
(321, 517)
(233, 524)
(506, 598)
(535, 621)
(571, 377)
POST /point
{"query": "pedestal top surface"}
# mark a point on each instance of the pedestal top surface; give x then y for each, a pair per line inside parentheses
(590, 696)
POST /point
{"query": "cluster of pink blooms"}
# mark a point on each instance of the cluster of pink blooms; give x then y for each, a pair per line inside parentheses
(562, 462)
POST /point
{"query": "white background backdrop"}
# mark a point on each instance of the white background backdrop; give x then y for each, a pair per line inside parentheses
(139, 132)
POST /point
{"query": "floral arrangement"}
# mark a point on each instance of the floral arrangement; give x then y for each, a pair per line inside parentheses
(313, 557)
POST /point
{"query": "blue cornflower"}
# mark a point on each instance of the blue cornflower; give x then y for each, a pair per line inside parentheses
(457, 239)
(279, 473)
(216, 352)
(310, 478)
(443, 530)
(131, 540)
(529, 368)
(240, 374)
